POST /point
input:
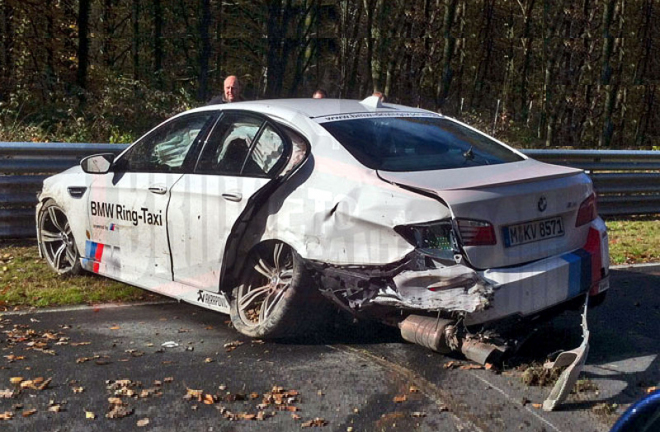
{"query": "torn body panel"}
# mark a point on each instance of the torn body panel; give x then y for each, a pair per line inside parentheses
(409, 285)
(451, 289)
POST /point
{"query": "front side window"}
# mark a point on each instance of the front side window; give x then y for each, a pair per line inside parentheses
(165, 149)
(417, 144)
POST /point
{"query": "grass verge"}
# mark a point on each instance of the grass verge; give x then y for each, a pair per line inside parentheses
(634, 240)
(26, 280)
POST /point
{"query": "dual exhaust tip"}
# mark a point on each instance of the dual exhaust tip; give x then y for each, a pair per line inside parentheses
(441, 335)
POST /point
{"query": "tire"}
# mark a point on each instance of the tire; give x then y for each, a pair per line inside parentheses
(275, 297)
(56, 240)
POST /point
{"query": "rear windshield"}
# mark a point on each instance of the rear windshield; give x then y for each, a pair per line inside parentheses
(417, 144)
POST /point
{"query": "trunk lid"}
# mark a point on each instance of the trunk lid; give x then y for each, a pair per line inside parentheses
(520, 199)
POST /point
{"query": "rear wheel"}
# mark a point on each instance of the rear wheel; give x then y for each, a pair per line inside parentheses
(56, 240)
(275, 298)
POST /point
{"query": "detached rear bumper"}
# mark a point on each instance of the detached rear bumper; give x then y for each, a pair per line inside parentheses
(532, 288)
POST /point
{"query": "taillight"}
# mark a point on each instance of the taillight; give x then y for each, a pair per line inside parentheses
(476, 233)
(433, 238)
(587, 211)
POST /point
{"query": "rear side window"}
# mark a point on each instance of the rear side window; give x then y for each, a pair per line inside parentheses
(417, 144)
(242, 145)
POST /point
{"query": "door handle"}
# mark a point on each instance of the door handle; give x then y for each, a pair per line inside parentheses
(158, 189)
(235, 196)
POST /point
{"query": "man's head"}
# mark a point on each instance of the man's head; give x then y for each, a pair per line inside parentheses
(232, 89)
(319, 94)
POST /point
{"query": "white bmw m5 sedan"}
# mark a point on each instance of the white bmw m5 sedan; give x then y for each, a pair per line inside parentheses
(271, 211)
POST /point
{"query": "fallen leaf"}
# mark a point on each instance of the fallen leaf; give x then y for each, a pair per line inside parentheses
(413, 389)
(7, 415)
(15, 380)
(537, 405)
(208, 360)
(168, 379)
(115, 327)
(399, 399)
(90, 415)
(418, 414)
(451, 365)
(55, 408)
(230, 346)
(294, 416)
(651, 389)
(86, 359)
(471, 366)
(28, 413)
(115, 401)
(317, 422)
(12, 358)
(7, 394)
(44, 384)
(119, 411)
(75, 344)
(142, 422)
(78, 389)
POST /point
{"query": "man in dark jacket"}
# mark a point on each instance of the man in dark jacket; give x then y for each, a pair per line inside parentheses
(232, 92)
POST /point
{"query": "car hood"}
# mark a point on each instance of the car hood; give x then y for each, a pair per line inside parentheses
(506, 195)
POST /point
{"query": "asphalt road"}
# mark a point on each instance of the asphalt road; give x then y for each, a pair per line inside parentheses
(181, 367)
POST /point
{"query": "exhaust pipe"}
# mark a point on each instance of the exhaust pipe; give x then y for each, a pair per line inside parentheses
(481, 352)
(429, 332)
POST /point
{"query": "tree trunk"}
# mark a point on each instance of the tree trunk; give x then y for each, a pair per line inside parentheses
(6, 74)
(205, 51)
(447, 53)
(83, 48)
(135, 46)
(158, 43)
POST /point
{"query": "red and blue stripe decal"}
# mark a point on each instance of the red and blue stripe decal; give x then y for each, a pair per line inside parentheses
(584, 265)
(93, 253)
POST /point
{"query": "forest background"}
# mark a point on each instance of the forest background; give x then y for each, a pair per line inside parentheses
(537, 73)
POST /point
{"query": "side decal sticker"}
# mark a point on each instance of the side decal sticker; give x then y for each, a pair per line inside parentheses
(99, 254)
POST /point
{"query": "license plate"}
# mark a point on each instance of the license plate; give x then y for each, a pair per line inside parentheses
(529, 232)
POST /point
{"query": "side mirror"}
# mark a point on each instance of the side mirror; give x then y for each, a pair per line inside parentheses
(97, 164)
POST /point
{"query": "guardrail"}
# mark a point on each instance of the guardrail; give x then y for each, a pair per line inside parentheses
(23, 167)
(627, 182)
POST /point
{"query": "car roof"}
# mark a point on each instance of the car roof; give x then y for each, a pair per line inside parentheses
(315, 108)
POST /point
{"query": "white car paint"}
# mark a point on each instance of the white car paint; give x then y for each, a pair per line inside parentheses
(336, 212)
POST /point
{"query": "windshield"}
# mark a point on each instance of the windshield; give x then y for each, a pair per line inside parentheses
(417, 144)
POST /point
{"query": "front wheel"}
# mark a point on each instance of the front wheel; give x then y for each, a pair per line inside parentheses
(275, 298)
(56, 240)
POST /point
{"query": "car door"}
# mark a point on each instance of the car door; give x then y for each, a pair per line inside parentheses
(243, 153)
(128, 238)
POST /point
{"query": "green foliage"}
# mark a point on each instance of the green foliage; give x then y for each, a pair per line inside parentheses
(122, 110)
(536, 66)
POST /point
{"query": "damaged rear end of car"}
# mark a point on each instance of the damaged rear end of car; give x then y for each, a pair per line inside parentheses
(519, 238)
